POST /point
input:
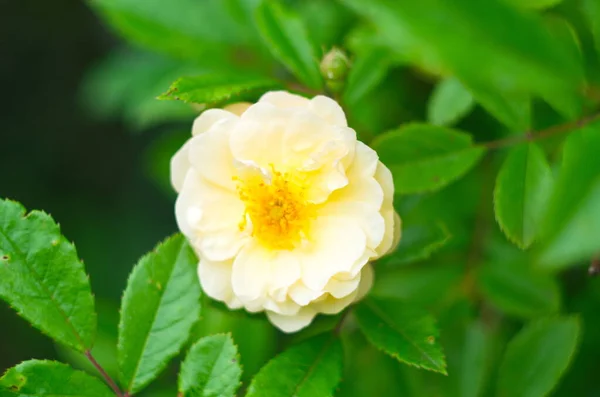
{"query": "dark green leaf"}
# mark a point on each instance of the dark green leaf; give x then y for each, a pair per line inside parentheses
(570, 229)
(312, 368)
(212, 89)
(368, 70)
(42, 277)
(160, 305)
(51, 379)
(537, 357)
(449, 102)
(288, 39)
(498, 56)
(518, 290)
(475, 361)
(403, 332)
(211, 368)
(418, 242)
(424, 157)
(523, 187)
(591, 10)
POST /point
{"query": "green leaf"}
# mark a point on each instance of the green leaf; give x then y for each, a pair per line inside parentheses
(211, 368)
(213, 89)
(535, 4)
(160, 305)
(591, 10)
(418, 242)
(475, 361)
(570, 229)
(521, 194)
(511, 109)
(202, 31)
(289, 41)
(43, 278)
(518, 290)
(51, 379)
(470, 38)
(312, 368)
(403, 332)
(424, 157)
(368, 70)
(449, 102)
(537, 357)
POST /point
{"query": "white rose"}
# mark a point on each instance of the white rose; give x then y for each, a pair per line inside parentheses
(284, 207)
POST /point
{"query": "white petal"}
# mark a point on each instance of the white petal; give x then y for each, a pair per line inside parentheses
(294, 323)
(237, 108)
(210, 117)
(385, 179)
(258, 271)
(283, 99)
(366, 282)
(340, 285)
(215, 278)
(286, 308)
(211, 156)
(336, 244)
(180, 165)
(370, 220)
(303, 295)
(328, 110)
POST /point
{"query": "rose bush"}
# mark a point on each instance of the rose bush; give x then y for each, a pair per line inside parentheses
(284, 207)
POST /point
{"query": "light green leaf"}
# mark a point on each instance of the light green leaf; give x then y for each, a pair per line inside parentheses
(160, 305)
(570, 229)
(475, 361)
(418, 242)
(425, 158)
(403, 332)
(203, 31)
(368, 70)
(212, 89)
(445, 31)
(312, 368)
(537, 357)
(51, 379)
(511, 109)
(591, 10)
(288, 39)
(42, 277)
(518, 290)
(535, 4)
(449, 102)
(521, 194)
(211, 368)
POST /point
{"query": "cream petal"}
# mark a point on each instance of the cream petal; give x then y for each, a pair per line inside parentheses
(385, 179)
(180, 165)
(293, 323)
(215, 278)
(209, 118)
(366, 282)
(286, 308)
(211, 156)
(331, 305)
(329, 110)
(237, 108)
(336, 243)
(371, 220)
(258, 271)
(303, 295)
(283, 99)
(220, 245)
(342, 285)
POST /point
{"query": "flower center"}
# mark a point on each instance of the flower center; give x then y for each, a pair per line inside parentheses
(276, 207)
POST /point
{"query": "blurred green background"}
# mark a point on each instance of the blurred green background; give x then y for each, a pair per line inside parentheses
(84, 139)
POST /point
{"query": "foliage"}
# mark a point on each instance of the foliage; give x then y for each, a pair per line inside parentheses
(486, 113)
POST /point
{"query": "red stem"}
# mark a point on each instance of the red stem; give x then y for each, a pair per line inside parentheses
(106, 377)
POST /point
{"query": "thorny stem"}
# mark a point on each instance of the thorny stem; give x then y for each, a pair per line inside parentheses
(105, 375)
(543, 134)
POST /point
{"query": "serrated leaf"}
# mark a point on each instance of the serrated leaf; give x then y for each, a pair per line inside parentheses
(518, 290)
(211, 368)
(537, 357)
(51, 379)
(449, 102)
(43, 278)
(445, 31)
(403, 332)
(367, 71)
(213, 89)
(159, 307)
(418, 242)
(521, 194)
(570, 229)
(312, 368)
(289, 41)
(425, 157)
